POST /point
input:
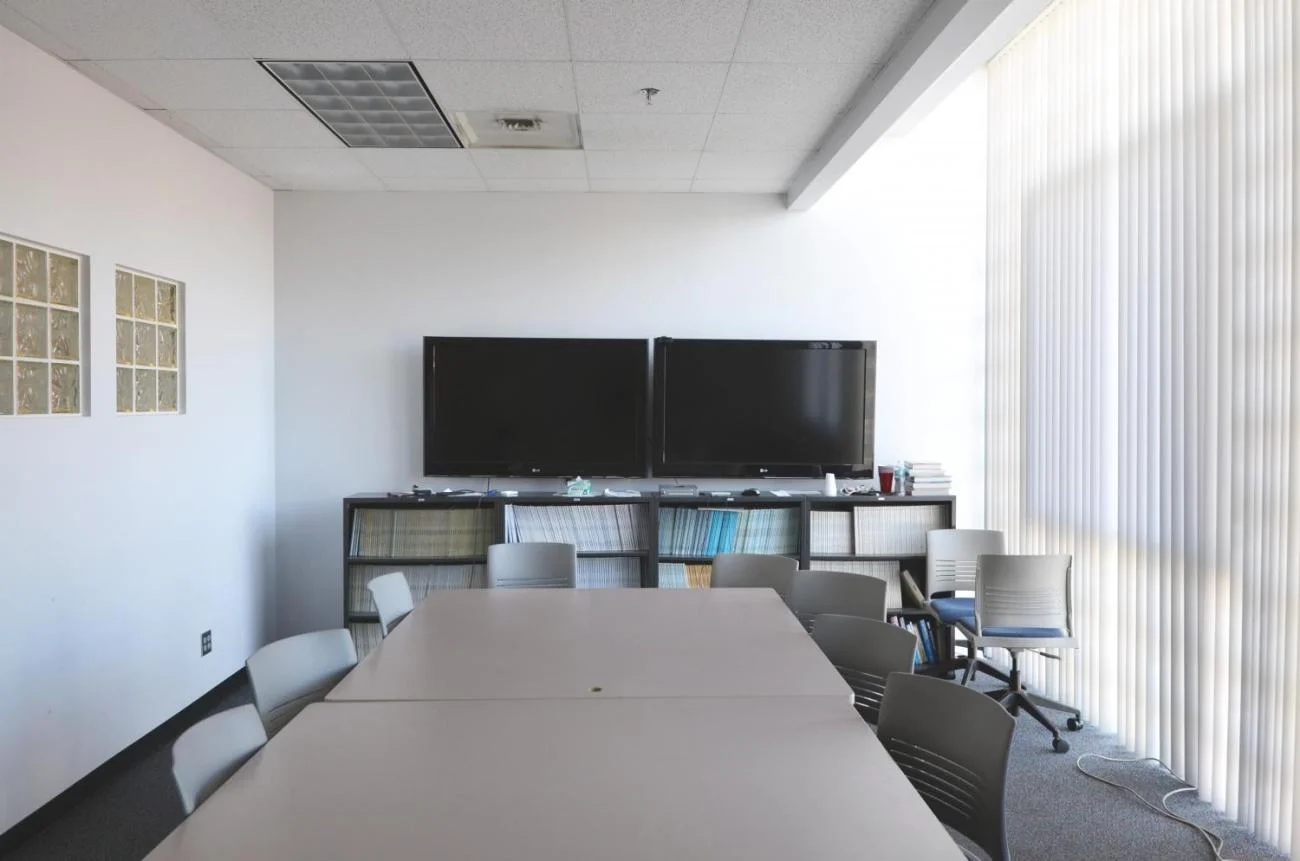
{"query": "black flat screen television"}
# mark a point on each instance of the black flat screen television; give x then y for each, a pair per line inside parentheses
(535, 406)
(764, 408)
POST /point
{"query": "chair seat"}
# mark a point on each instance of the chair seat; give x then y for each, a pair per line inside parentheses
(1023, 632)
(953, 610)
(1017, 638)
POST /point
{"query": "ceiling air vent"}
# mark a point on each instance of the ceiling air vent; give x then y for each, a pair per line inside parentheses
(518, 129)
(368, 104)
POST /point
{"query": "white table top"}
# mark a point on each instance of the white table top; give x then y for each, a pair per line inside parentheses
(757, 779)
(530, 643)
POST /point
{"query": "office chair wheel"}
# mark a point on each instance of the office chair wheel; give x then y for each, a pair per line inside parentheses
(1074, 724)
(1060, 745)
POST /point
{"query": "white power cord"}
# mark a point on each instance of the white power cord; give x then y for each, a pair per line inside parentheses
(1214, 841)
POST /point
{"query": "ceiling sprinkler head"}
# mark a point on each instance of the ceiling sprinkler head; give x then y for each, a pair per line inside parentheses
(649, 93)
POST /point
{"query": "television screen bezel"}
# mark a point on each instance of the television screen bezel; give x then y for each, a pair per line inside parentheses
(519, 469)
(659, 467)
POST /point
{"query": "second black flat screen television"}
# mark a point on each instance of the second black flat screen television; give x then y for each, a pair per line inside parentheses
(764, 408)
(535, 406)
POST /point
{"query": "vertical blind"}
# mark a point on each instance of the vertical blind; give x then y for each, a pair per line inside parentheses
(1143, 379)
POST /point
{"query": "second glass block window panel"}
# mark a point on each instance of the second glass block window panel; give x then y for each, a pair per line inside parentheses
(149, 343)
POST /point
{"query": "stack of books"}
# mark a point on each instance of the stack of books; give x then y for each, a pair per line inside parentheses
(830, 532)
(710, 531)
(926, 478)
(590, 528)
(678, 575)
(380, 532)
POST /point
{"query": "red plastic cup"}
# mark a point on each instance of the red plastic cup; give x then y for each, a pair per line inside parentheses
(886, 479)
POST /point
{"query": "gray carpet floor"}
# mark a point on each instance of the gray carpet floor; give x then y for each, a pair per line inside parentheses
(1053, 811)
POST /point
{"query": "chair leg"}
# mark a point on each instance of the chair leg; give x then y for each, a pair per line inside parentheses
(1019, 700)
(995, 671)
(1016, 699)
(971, 667)
(1044, 702)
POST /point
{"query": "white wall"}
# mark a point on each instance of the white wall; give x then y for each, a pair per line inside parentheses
(122, 538)
(896, 254)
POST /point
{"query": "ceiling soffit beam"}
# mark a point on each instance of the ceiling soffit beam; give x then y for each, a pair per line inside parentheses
(948, 32)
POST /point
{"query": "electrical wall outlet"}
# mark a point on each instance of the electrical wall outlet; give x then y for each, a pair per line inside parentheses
(205, 642)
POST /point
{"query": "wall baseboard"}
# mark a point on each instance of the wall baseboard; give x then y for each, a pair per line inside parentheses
(51, 810)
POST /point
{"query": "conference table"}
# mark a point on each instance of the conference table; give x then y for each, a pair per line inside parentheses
(530, 643)
(528, 745)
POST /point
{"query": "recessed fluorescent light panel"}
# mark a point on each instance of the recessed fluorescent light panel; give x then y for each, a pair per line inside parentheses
(368, 104)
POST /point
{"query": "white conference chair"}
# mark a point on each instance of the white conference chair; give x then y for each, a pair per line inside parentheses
(952, 566)
(290, 674)
(532, 565)
(393, 599)
(1023, 603)
(209, 752)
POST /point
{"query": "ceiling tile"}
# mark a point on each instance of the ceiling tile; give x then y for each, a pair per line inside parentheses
(434, 183)
(200, 84)
(43, 39)
(479, 30)
(740, 186)
(780, 88)
(485, 86)
(642, 165)
(516, 163)
(537, 184)
(750, 165)
(671, 30)
(421, 163)
(308, 29)
(828, 31)
(296, 128)
(240, 158)
(115, 84)
(297, 167)
(129, 29)
(750, 132)
(184, 128)
(641, 185)
(327, 182)
(645, 131)
(684, 88)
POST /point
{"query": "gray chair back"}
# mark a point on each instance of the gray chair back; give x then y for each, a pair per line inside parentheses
(840, 592)
(865, 652)
(753, 571)
(393, 599)
(532, 565)
(952, 557)
(952, 743)
(292, 673)
(209, 752)
(1024, 592)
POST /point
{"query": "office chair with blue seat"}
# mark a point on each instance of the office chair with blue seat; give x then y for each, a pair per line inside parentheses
(951, 567)
(1023, 603)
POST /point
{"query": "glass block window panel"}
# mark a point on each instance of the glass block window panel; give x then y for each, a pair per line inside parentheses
(41, 302)
(33, 388)
(150, 339)
(6, 268)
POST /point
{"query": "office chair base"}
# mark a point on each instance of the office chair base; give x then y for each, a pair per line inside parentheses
(1014, 698)
(972, 664)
